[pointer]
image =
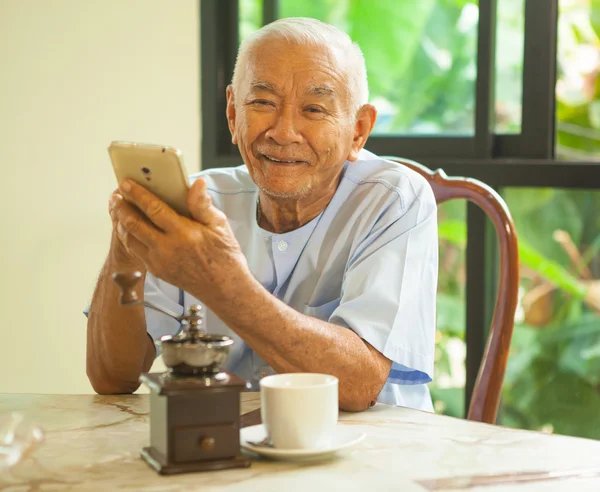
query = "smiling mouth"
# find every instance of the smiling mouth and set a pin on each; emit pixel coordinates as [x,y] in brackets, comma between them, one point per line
[282,161]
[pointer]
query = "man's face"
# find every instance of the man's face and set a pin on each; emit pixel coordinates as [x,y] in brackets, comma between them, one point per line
[292,120]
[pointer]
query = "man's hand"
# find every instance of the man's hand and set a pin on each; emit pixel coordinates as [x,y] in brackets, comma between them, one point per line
[200,256]
[119,253]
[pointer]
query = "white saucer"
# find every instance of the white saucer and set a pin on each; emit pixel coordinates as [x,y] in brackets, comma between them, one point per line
[343,438]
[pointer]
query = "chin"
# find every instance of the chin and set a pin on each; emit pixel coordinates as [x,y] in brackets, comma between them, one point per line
[293,193]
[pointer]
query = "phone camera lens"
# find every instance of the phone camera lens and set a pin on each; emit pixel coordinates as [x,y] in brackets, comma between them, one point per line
[145,170]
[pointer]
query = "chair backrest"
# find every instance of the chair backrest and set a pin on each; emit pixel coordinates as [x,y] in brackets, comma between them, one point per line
[488,386]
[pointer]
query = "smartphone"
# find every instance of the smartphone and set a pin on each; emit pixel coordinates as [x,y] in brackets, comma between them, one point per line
[157,168]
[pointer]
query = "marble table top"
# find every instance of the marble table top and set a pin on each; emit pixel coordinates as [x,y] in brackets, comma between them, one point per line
[93,443]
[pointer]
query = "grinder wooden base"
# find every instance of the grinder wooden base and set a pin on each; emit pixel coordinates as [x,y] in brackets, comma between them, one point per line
[194,423]
[165,468]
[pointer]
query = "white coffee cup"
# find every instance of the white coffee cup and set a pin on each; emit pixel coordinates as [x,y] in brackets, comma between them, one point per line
[299,410]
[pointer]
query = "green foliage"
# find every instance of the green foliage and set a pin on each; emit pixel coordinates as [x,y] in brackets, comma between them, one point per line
[577,104]
[553,378]
[250,17]
[455,233]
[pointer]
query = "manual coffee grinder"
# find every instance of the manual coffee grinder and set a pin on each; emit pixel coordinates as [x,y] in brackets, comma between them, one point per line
[194,405]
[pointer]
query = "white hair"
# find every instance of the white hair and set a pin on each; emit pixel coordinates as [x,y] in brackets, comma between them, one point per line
[307,31]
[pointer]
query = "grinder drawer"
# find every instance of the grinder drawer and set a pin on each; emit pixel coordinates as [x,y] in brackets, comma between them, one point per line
[206,442]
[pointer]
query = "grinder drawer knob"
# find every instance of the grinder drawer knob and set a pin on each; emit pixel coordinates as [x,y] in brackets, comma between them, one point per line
[207,443]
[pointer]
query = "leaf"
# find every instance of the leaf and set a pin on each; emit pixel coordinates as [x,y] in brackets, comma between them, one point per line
[550,270]
[584,326]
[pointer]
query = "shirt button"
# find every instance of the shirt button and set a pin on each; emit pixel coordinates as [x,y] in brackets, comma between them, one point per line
[282,246]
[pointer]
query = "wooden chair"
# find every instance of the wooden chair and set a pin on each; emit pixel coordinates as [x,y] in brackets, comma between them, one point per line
[488,386]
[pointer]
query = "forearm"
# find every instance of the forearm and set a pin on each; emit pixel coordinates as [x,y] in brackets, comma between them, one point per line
[118,347]
[292,342]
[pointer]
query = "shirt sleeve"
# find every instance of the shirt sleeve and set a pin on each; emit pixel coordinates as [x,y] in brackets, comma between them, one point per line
[389,290]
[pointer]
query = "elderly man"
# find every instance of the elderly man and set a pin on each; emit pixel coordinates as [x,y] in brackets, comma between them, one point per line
[315,256]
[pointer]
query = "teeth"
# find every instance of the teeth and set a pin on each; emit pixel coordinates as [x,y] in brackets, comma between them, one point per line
[277,160]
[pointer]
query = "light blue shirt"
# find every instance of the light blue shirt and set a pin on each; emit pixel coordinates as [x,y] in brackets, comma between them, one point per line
[368,262]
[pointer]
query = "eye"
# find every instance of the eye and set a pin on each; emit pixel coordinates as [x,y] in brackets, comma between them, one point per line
[262,102]
[314,109]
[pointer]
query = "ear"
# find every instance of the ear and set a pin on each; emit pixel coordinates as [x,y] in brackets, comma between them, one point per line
[230,113]
[365,121]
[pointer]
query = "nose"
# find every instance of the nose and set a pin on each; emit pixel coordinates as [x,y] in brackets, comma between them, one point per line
[283,130]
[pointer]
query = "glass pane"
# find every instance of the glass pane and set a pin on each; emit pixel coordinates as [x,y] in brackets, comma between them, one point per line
[553,377]
[250,17]
[420,54]
[510,42]
[448,386]
[577,87]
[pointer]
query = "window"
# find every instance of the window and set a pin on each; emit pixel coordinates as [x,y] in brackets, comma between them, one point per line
[577,91]
[480,89]
[553,372]
[510,42]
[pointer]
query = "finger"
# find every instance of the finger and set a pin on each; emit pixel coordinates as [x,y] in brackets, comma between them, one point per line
[163,216]
[118,203]
[133,245]
[200,204]
[135,224]
[113,204]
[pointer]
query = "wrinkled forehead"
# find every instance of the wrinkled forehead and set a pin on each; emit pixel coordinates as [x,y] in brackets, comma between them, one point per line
[275,64]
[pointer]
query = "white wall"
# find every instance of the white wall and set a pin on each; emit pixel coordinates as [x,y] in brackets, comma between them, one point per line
[74,75]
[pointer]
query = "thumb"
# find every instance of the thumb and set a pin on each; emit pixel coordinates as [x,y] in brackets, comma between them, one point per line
[200,204]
